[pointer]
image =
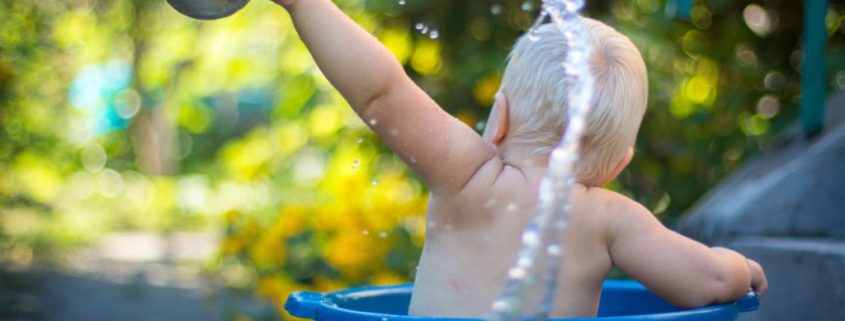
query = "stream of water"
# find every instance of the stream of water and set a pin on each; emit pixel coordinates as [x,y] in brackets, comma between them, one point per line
[543,236]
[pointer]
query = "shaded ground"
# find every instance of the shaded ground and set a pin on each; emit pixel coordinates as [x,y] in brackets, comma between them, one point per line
[18,297]
[128,277]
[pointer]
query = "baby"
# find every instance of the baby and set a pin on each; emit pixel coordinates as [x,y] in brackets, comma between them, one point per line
[484,188]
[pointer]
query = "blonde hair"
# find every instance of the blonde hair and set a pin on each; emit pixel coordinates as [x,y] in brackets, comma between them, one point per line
[536,90]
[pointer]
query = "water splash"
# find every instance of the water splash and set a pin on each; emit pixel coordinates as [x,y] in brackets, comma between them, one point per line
[543,236]
[427,30]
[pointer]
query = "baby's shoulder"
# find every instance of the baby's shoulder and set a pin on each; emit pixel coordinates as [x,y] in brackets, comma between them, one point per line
[607,199]
[605,206]
[614,212]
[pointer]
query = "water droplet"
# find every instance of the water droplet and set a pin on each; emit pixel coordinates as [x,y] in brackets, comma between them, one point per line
[360,140]
[490,202]
[517,273]
[574,5]
[424,30]
[479,126]
[383,318]
[434,34]
[373,121]
[534,34]
[355,163]
[501,306]
[382,234]
[527,6]
[496,9]
[530,238]
[524,262]
[401,2]
[553,250]
[419,26]
[365,232]
[375,181]
[413,160]
[511,207]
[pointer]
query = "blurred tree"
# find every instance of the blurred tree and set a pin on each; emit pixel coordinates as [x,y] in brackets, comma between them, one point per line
[31,153]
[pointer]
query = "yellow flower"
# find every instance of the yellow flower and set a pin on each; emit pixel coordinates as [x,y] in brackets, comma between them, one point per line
[270,250]
[249,230]
[231,216]
[386,277]
[398,41]
[291,220]
[485,89]
[273,287]
[277,289]
[231,246]
[426,58]
[351,252]
[324,284]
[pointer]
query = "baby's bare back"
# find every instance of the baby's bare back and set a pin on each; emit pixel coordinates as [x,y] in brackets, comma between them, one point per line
[473,237]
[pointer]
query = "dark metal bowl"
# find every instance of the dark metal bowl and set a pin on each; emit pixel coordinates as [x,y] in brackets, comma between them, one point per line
[207,9]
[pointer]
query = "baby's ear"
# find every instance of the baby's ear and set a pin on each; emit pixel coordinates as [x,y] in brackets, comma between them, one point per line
[623,162]
[629,155]
[501,119]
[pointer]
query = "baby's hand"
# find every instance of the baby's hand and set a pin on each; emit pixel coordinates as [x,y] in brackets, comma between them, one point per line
[758,277]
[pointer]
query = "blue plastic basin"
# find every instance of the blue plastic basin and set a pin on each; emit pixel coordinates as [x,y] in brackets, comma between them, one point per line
[620,300]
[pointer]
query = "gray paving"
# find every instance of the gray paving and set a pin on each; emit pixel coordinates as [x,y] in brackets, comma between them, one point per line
[129,277]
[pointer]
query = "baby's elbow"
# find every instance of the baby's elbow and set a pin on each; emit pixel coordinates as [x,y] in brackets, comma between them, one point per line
[378,92]
[729,281]
[727,287]
[725,290]
[713,291]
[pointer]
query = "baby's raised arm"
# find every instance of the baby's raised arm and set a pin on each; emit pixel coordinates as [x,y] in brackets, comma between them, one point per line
[684,272]
[441,149]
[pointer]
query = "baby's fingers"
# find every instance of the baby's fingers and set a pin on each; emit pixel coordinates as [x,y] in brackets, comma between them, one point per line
[758,277]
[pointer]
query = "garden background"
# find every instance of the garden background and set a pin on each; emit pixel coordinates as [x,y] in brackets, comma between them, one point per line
[127,118]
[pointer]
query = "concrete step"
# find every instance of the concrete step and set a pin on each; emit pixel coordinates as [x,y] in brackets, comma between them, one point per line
[795,187]
[806,278]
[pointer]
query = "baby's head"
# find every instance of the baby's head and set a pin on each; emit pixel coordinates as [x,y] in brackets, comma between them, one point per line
[534,87]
